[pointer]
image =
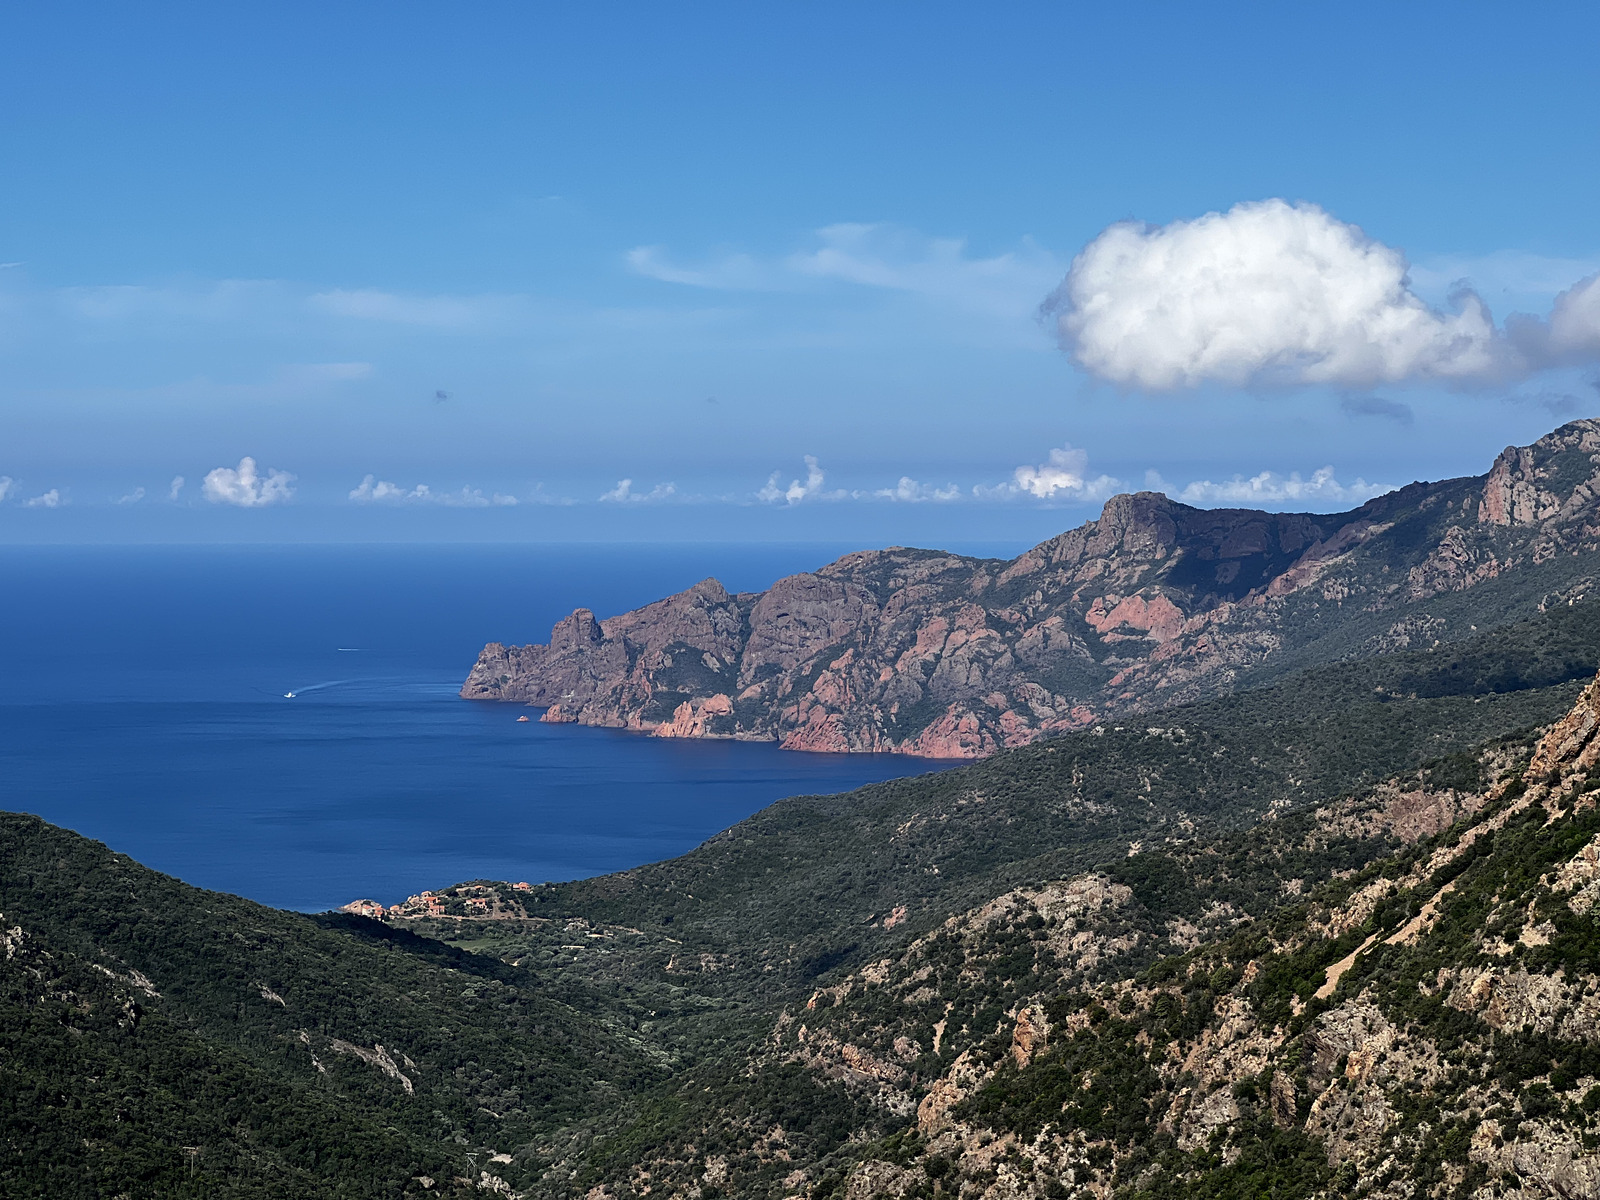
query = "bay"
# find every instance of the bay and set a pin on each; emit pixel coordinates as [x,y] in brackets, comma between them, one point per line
[144,701]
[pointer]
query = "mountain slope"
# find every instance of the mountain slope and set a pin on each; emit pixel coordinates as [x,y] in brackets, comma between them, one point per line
[640,1034]
[921,652]
[193,1043]
[1391,995]
[1429,1026]
[786,893]
[782,909]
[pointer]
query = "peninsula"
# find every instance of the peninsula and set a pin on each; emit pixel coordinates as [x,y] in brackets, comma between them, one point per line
[1154,603]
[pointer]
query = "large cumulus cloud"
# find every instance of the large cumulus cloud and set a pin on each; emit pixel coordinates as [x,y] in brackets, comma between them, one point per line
[1277,293]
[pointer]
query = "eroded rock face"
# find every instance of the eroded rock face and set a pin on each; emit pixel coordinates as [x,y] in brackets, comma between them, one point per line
[923,652]
[1571,742]
[1044,1040]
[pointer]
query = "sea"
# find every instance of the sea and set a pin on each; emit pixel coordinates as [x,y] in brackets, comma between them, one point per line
[282,722]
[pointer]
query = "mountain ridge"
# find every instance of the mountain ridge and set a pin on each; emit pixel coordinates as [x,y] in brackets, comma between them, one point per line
[1153,603]
[754,1019]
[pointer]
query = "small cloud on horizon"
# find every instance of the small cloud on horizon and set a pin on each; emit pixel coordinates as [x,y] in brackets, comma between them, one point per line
[50,499]
[623,493]
[909,491]
[471,497]
[244,487]
[797,491]
[132,497]
[372,490]
[1269,489]
[1063,476]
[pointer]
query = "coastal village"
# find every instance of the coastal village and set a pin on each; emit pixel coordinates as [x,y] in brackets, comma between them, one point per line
[477,901]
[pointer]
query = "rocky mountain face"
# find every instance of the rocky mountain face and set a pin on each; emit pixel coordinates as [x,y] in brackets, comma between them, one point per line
[1155,603]
[1333,936]
[1392,995]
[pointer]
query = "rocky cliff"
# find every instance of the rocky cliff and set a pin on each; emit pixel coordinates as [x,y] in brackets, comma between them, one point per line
[1329,938]
[928,653]
[1392,996]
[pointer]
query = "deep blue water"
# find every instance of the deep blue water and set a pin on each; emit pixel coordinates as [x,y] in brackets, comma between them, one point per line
[142,703]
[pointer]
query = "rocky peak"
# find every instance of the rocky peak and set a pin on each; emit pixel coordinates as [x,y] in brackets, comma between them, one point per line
[575,632]
[709,591]
[1143,524]
[1154,602]
[1200,557]
[703,616]
[1530,484]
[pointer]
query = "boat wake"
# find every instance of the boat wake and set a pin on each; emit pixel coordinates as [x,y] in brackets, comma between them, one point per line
[318,687]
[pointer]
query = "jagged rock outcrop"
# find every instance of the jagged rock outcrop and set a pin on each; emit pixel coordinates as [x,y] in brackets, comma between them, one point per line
[1571,743]
[1155,602]
[1454,1053]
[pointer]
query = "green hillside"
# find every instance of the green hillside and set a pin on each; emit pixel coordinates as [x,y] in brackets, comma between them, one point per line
[164,1040]
[640,1030]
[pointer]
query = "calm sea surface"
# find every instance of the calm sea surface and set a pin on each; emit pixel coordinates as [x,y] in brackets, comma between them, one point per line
[142,703]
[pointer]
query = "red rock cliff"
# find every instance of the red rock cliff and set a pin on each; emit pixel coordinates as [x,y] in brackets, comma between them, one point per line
[923,652]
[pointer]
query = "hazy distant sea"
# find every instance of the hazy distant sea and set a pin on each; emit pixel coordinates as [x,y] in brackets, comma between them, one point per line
[142,703]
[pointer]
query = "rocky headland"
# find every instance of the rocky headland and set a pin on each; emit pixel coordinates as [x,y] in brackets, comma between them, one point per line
[1154,603]
[1329,938]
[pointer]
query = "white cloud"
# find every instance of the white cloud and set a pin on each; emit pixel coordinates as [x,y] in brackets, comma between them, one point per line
[1266,293]
[471,497]
[623,493]
[223,300]
[884,256]
[132,497]
[373,490]
[436,312]
[912,492]
[797,491]
[1271,489]
[51,499]
[6,485]
[244,487]
[876,256]
[177,486]
[305,316]
[1064,475]
[1574,328]
[732,272]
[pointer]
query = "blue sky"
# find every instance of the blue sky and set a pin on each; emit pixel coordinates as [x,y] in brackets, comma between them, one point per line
[502,257]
